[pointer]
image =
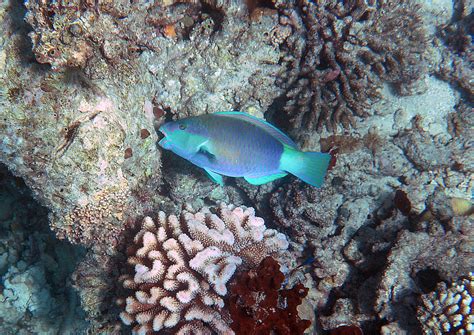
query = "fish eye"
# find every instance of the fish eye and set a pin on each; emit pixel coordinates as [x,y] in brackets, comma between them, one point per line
[182,126]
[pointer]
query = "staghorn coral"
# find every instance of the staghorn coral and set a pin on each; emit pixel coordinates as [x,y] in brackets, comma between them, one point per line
[182,265]
[258,305]
[448,310]
[351,48]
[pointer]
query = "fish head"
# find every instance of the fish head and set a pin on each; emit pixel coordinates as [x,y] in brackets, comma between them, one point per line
[182,137]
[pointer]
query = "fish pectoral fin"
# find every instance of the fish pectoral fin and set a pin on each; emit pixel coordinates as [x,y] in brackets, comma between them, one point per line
[264,179]
[203,150]
[215,177]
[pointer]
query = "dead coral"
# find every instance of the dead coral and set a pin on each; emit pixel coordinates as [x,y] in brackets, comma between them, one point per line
[258,305]
[411,263]
[351,48]
[305,209]
[94,281]
[458,57]
[68,34]
[182,265]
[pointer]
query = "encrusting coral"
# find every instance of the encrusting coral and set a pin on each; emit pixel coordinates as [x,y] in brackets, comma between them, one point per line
[449,310]
[348,49]
[85,224]
[258,305]
[182,265]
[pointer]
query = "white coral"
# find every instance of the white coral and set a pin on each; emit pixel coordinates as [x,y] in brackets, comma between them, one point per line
[449,310]
[182,267]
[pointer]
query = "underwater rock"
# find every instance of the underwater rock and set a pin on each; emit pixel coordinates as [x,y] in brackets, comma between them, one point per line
[228,63]
[201,251]
[440,255]
[66,134]
[349,50]
[35,295]
[458,54]
[95,282]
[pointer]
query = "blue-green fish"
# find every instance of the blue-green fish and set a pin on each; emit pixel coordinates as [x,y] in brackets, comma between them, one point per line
[237,144]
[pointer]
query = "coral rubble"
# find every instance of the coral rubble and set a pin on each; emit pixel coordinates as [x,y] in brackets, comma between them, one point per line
[448,310]
[348,49]
[182,265]
[258,305]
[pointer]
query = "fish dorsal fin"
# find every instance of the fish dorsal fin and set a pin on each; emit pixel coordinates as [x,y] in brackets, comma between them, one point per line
[272,130]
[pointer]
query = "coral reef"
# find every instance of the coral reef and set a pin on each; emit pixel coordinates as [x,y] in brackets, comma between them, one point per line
[411,264]
[66,135]
[99,221]
[82,91]
[448,309]
[35,294]
[258,305]
[84,132]
[233,49]
[182,265]
[458,56]
[348,49]
[96,281]
[385,227]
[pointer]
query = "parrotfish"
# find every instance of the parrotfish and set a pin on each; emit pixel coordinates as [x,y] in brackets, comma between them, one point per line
[237,144]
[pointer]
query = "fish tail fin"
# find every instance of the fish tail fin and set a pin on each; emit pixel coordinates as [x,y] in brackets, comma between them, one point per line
[311,167]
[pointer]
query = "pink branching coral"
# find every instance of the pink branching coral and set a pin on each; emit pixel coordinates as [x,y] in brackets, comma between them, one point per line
[182,265]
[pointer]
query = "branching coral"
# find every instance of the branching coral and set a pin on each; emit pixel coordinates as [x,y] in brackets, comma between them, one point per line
[448,310]
[182,265]
[258,306]
[351,48]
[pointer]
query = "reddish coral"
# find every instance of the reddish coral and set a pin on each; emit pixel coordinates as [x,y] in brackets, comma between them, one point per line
[346,330]
[258,306]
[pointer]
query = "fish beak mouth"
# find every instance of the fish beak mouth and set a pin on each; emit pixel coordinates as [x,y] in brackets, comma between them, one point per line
[162,130]
[164,142]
